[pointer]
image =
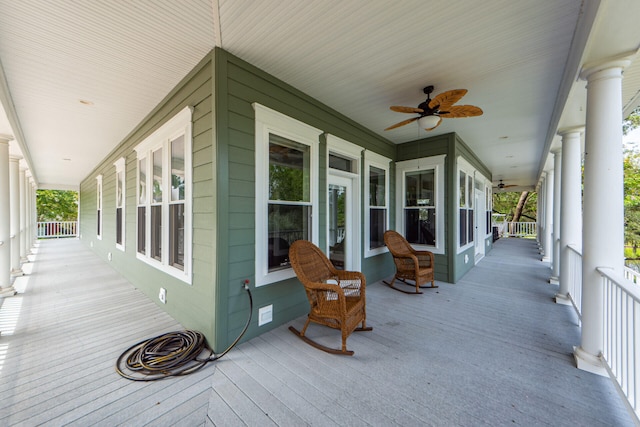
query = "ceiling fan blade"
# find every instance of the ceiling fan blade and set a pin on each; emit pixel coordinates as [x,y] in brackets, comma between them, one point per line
[438,124]
[400,109]
[446,99]
[458,111]
[402,123]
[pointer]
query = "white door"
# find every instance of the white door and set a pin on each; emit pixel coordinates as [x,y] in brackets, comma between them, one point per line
[480,222]
[342,233]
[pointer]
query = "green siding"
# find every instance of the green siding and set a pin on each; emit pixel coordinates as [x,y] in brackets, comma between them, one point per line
[238,86]
[222,89]
[192,305]
[450,266]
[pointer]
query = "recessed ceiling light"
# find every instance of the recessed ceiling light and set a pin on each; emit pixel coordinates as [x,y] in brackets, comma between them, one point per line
[504,137]
[510,156]
[67,159]
[85,102]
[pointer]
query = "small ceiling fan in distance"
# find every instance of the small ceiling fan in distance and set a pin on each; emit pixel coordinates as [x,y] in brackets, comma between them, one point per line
[501,185]
[432,111]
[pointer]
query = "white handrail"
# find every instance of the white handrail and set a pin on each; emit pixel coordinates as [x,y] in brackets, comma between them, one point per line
[621,337]
[57,229]
[575,279]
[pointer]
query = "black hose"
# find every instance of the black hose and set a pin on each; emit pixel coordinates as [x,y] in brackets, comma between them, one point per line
[172,354]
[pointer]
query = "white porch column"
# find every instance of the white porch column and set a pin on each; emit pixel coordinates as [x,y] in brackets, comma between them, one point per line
[23,214]
[5,223]
[548,217]
[603,231]
[14,207]
[32,213]
[557,201]
[571,206]
[541,216]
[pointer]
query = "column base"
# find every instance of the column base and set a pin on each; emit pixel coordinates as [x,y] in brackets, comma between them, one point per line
[7,292]
[17,272]
[553,280]
[588,362]
[563,299]
[546,258]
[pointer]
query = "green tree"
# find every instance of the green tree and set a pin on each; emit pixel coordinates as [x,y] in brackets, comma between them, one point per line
[57,205]
[631,122]
[631,167]
[507,203]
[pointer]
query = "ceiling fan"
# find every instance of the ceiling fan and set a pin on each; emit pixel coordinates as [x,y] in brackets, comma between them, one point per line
[432,111]
[502,185]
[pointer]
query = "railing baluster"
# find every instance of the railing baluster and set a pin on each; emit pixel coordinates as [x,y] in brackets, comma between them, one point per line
[57,229]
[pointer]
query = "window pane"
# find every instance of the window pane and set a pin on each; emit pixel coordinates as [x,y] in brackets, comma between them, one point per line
[156,232]
[419,188]
[119,226]
[177,169]
[340,163]
[142,234]
[157,176]
[377,227]
[287,223]
[142,181]
[176,237]
[99,215]
[463,189]
[463,227]
[289,170]
[420,226]
[470,191]
[488,222]
[470,224]
[119,179]
[377,188]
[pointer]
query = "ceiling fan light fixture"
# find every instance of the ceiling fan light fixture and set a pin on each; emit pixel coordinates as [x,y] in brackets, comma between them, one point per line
[428,122]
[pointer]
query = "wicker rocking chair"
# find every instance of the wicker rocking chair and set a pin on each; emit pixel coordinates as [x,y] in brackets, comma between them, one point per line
[410,264]
[336,297]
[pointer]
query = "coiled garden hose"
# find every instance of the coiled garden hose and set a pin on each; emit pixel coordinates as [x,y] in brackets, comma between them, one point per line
[172,354]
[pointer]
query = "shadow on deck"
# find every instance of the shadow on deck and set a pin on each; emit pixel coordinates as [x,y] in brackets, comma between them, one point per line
[492,349]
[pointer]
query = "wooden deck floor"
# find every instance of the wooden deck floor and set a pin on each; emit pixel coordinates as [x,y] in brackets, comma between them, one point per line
[492,349]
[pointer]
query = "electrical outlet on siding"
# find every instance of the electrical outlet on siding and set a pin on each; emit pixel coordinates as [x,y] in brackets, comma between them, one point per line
[265,315]
[163,295]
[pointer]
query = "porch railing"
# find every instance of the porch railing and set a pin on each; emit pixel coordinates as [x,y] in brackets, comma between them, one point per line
[575,279]
[632,275]
[621,326]
[620,323]
[517,229]
[57,229]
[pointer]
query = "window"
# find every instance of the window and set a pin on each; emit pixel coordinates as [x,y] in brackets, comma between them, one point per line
[377,196]
[466,195]
[120,203]
[286,191]
[489,206]
[164,197]
[142,206]
[99,206]
[420,202]
[344,204]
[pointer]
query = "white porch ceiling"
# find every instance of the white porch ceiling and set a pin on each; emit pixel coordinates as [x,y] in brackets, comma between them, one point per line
[519,59]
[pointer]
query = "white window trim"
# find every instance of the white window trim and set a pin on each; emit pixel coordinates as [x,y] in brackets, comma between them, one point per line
[120,167]
[353,152]
[180,124]
[99,206]
[380,162]
[270,121]
[437,164]
[466,167]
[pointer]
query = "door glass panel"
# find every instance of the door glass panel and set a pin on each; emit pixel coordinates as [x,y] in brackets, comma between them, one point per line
[337,225]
